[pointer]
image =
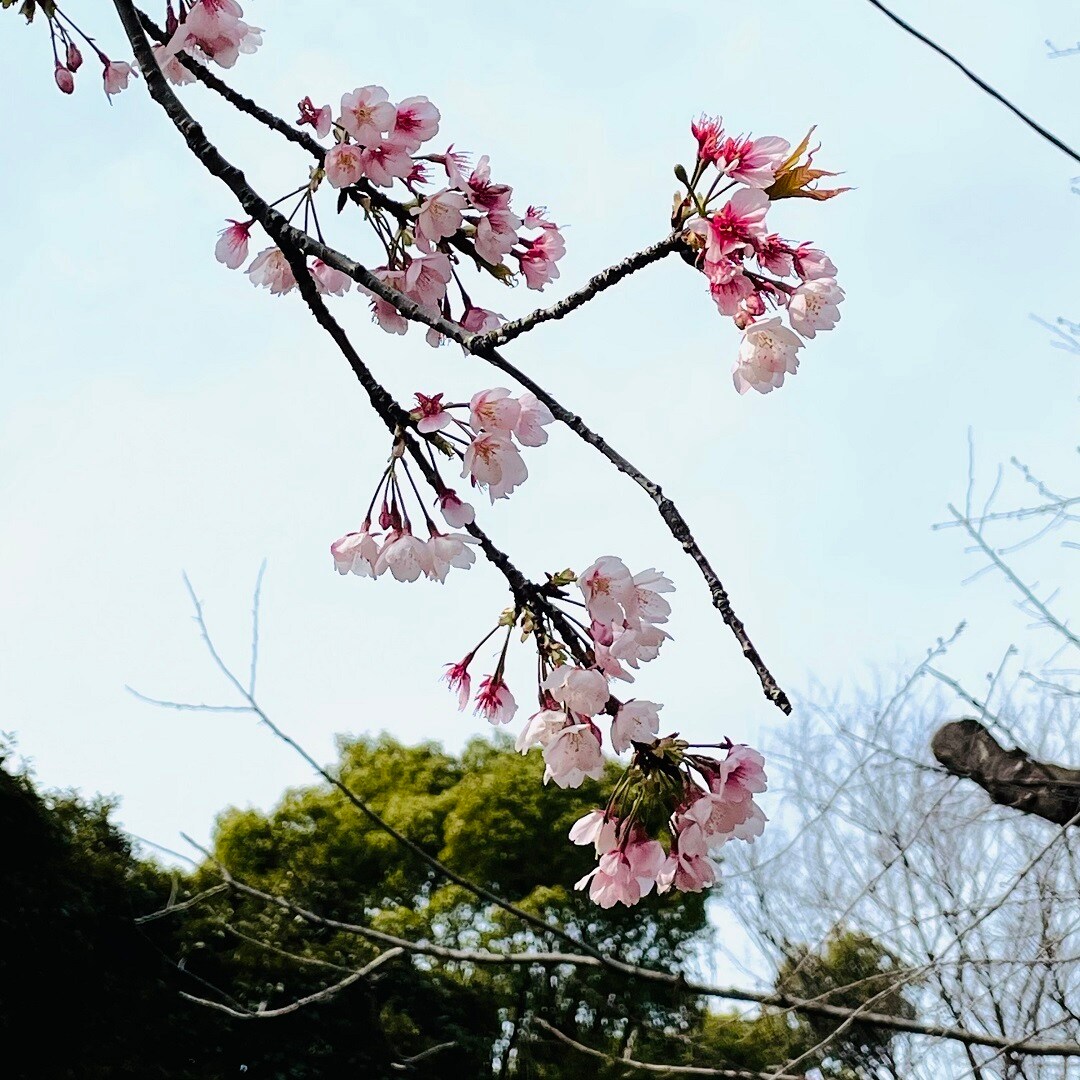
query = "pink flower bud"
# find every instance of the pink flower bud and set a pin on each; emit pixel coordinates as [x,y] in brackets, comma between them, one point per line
[64,79]
[171,22]
[74,57]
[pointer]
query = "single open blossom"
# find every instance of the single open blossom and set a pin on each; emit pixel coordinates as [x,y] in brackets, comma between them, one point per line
[459,680]
[415,121]
[768,352]
[171,67]
[494,410]
[752,161]
[343,164]
[742,771]
[540,729]
[636,721]
[328,280]
[430,415]
[384,162]
[440,215]
[426,279]
[478,320]
[496,234]
[494,461]
[686,872]
[271,269]
[356,553]
[774,255]
[573,754]
[636,645]
[64,79]
[737,225]
[598,828]
[405,556]
[625,876]
[319,119]
[647,602]
[366,114]
[582,691]
[232,245]
[455,511]
[494,702]
[538,261]
[449,549]
[533,417]
[482,193]
[811,263]
[814,306]
[607,587]
[384,313]
[116,76]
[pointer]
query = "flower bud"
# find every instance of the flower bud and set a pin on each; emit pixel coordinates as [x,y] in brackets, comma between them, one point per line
[74,57]
[64,79]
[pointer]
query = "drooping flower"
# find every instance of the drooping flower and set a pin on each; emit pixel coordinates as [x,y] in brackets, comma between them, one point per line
[625,876]
[496,234]
[814,306]
[540,729]
[494,461]
[494,702]
[538,261]
[449,549]
[573,754]
[356,553]
[607,586]
[405,556]
[116,76]
[533,417]
[319,119]
[384,313]
[171,67]
[232,245]
[328,280]
[812,263]
[455,511]
[582,691]
[271,269]
[458,678]
[636,721]
[768,352]
[215,28]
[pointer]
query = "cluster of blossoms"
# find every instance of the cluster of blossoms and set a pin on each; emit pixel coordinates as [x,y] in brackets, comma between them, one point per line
[696,819]
[427,234]
[751,270]
[204,31]
[484,443]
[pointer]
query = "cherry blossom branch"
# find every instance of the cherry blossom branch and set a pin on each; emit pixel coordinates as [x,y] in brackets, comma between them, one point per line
[483,345]
[666,1070]
[808,1006]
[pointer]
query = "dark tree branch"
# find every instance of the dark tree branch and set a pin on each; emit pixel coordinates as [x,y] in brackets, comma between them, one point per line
[1010,777]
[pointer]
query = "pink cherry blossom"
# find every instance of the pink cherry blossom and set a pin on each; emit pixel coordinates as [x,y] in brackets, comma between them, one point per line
[648,603]
[636,721]
[494,702]
[775,256]
[738,224]
[355,553]
[598,828]
[533,417]
[728,295]
[366,114]
[708,131]
[116,76]
[343,164]
[496,234]
[440,215]
[540,729]
[538,261]
[328,280]
[573,754]
[215,28]
[455,512]
[743,769]
[455,163]
[482,193]
[712,819]
[814,306]
[535,218]
[494,410]
[478,320]
[687,873]
[64,79]
[405,556]
[383,312]
[232,245]
[384,162]
[768,352]
[637,645]
[430,414]
[812,263]
[416,120]
[271,269]
[446,550]
[171,67]
[607,586]
[319,119]
[493,460]
[752,161]
[426,279]
[458,678]
[625,876]
[582,691]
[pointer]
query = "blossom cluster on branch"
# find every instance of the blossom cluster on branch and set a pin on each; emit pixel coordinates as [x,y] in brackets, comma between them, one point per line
[435,215]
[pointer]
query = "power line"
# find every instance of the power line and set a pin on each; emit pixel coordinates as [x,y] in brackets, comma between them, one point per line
[1049,136]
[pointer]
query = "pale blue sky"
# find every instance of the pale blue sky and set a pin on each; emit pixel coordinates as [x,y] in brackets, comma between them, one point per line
[160,414]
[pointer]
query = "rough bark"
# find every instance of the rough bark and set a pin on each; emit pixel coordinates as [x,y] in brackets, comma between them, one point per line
[1010,777]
